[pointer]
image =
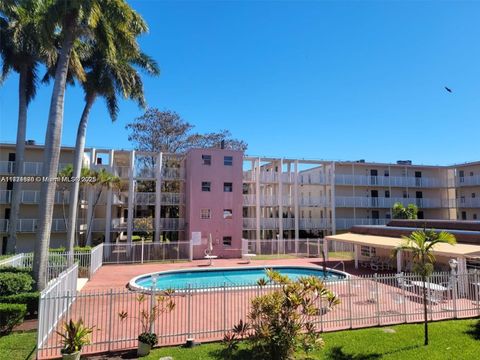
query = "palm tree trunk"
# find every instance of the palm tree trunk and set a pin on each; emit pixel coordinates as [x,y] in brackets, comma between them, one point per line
[425,310]
[19,160]
[90,221]
[51,154]
[76,173]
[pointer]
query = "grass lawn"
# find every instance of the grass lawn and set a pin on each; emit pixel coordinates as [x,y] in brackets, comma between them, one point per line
[18,345]
[344,255]
[454,339]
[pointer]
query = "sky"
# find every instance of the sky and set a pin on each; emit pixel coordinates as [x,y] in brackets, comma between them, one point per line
[330,80]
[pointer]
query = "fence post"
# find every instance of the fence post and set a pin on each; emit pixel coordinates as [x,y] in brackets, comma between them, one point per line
[110,317]
[454,289]
[224,307]
[141,261]
[404,297]
[152,303]
[477,290]
[377,300]
[350,301]
[189,313]
[308,248]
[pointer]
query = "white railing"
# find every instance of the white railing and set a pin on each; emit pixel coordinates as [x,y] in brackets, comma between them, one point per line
[145,198]
[96,259]
[468,202]
[207,313]
[249,223]
[172,198]
[468,180]
[310,224]
[313,201]
[7,167]
[19,260]
[172,223]
[55,301]
[249,200]
[344,223]
[394,181]
[312,179]
[282,247]
[383,202]
[141,252]
[169,173]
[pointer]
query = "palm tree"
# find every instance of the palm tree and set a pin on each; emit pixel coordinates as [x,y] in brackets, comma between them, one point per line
[104,181]
[20,52]
[109,23]
[402,212]
[105,77]
[421,244]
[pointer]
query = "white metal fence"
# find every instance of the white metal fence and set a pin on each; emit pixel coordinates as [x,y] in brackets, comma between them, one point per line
[55,301]
[88,262]
[141,252]
[205,314]
[293,247]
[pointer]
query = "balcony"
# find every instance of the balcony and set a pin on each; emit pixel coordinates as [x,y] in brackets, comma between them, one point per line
[313,201]
[312,179]
[382,202]
[394,181]
[249,223]
[5,196]
[122,171]
[145,198]
[468,203]
[172,198]
[29,168]
[32,197]
[169,173]
[172,224]
[344,223]
[468,180]
[311,224]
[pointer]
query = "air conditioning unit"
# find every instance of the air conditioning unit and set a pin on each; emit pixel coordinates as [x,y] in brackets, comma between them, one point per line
[404,162]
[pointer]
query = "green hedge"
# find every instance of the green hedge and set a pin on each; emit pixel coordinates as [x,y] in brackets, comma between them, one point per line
[15,283]
[10,316]
[76,248]
[29,299]
[12,269]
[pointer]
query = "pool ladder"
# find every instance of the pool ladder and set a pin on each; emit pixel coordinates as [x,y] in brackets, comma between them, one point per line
[337,264]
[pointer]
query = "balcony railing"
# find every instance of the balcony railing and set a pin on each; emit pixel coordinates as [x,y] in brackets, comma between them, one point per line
[5,196]
[382,202]
[347,223]
[172,198]
[468,202]
[145,198]
[312,179]
[468,180]
[32,197]
[29,167]
[172,223]
[309,224]
[313,201]
[395,181]
[169,173]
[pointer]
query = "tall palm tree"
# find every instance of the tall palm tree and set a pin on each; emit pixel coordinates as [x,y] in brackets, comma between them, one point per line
[109,22]
[421,244]
[104,181]
[20,52]
[106,77]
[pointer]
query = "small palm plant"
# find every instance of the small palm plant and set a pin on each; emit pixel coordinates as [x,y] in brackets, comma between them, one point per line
[421,245]
[75,336]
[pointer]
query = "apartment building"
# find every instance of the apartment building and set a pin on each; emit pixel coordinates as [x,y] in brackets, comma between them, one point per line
[224,195]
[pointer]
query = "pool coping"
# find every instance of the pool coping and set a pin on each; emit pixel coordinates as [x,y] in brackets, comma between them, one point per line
[135,287]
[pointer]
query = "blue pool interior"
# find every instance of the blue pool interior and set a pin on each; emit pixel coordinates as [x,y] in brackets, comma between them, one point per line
[228,277]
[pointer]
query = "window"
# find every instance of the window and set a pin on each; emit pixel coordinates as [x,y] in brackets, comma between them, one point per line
[471,173]
[405,195]
[206,185]
[227,187]
[227,213]
[473,195]
[205,214]
[367,251]
[386,173]
[474,216]
[228,160]
[387,193]
[227,241]
[207,159]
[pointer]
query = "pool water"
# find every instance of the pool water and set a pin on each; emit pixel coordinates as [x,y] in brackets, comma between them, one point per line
[183,279]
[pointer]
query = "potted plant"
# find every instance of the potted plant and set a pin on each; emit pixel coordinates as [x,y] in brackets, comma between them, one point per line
[149,311]
[146,341]
[75,335]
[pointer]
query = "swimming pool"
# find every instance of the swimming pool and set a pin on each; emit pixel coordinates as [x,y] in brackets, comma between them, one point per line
[231,277]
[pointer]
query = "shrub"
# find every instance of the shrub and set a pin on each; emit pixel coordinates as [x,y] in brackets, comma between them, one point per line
[10,316]
[283,321]
[29,299]
[14,283]
[12,269]
[75,335]
[148,338]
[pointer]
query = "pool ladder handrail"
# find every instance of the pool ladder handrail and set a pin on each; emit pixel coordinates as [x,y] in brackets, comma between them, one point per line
[339,263]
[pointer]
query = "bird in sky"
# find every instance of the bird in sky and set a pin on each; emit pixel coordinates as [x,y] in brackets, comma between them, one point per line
[448,89]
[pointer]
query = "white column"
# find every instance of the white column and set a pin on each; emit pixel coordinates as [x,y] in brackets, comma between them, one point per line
[108,210]
[158,196]
[280,201]
[356,251]
[131,196]
[257,201]
[334,217]
[462,279]
[399,261]
[93,162]
[325,249]
[295,205]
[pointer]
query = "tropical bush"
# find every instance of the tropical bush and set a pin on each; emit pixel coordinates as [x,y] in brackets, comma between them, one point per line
[10,316]
[282,322]
[30,299]
[14,283]
[75,336]
[148,338]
